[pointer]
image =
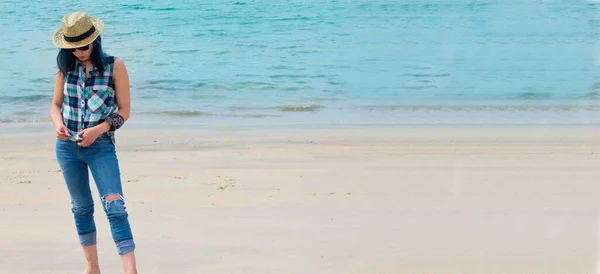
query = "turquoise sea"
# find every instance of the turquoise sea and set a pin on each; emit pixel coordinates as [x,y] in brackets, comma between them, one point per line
[301,63]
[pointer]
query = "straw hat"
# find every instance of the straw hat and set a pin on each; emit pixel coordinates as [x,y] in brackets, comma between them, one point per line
[77,30]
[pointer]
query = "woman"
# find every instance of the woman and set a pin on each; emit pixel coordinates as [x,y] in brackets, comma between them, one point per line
[91,101]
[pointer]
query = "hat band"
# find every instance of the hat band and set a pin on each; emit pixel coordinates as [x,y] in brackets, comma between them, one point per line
[80,37]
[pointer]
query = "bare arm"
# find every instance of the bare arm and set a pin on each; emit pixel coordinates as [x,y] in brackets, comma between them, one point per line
[121,78]
[57,100]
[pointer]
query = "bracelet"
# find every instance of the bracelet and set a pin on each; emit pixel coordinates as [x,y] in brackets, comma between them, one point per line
[115,121]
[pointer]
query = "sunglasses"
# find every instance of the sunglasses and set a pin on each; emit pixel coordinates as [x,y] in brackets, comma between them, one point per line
[84,48]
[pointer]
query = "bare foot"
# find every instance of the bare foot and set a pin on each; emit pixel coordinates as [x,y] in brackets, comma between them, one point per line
[92,270]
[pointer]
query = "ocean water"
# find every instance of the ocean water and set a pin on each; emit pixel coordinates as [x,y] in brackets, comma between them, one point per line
[323,63]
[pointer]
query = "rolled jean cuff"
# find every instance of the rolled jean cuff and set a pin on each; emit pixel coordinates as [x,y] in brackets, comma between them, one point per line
[88,239]
[125,246]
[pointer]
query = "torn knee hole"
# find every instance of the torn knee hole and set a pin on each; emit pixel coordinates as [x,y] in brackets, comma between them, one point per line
[112,197]
[114,203]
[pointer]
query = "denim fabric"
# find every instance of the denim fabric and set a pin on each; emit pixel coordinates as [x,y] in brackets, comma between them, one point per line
[100,158]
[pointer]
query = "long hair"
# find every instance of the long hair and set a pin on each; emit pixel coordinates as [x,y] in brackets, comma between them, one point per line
[65,60]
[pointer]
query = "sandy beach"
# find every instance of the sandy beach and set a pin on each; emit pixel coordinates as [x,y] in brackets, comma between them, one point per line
[420,200]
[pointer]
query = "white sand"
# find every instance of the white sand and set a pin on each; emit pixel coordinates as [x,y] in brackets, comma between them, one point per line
[405,201]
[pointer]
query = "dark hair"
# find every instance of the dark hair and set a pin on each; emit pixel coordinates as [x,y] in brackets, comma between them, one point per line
[65,60]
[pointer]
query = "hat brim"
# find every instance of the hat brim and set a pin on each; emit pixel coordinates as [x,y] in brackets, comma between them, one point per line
[59,38]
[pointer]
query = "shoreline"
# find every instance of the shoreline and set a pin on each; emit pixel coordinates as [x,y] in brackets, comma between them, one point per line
[350,116]
[45,126]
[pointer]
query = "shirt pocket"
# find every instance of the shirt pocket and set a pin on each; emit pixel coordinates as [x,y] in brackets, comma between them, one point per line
[98,99]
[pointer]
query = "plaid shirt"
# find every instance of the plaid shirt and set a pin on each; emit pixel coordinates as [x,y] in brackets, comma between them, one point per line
[87,102]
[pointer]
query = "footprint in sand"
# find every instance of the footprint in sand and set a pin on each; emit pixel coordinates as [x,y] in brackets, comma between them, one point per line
[225,182]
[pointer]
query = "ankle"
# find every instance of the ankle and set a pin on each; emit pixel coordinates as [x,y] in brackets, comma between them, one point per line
[92,269]
[129,265]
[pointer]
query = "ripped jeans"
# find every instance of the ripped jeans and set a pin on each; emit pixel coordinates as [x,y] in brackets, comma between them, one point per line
[100,157]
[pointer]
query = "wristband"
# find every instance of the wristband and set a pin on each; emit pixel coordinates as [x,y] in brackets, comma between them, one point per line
[115,121]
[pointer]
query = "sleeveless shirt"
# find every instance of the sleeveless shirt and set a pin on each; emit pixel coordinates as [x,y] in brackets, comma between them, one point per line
[88,102]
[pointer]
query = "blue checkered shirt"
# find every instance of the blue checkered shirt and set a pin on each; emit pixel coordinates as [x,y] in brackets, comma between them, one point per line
[88,102]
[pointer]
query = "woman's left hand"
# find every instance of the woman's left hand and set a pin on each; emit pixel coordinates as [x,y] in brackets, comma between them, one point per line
[88,136]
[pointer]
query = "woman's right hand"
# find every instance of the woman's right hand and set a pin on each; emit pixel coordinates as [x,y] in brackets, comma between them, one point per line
[62,132]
